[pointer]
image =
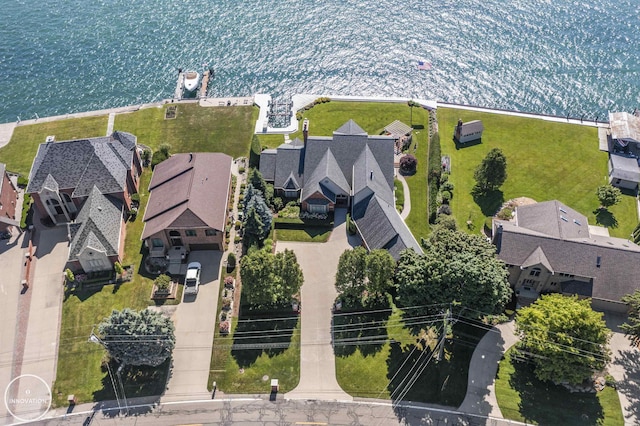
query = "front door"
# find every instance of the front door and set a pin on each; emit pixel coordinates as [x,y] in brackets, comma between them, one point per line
[174,236]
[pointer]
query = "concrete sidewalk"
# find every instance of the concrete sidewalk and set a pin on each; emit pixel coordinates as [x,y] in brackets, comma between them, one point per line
[317,359]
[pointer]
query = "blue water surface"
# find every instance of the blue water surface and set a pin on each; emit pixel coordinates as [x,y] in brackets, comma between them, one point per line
[556,57]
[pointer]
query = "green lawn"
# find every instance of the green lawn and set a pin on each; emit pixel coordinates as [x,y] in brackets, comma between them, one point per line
[196,129]
[545,161]
[524,398]
[399,192]
[308,235]
[19,153]
[376,370]
[418,219]
[248,370]
[83,309]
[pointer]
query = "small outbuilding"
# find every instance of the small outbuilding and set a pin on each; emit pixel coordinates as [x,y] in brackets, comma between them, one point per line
[468,132]
[401,133]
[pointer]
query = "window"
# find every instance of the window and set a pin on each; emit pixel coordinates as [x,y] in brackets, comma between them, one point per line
[157,243]
[190,233]
[210,232]
[290,194]
[535,272]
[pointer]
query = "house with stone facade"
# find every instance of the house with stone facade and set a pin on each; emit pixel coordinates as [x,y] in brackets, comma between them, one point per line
[86,185]
[188,204]
[549,247]
[8,199]
[350,169]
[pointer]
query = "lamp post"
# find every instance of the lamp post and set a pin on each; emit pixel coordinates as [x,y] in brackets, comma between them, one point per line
[95,339]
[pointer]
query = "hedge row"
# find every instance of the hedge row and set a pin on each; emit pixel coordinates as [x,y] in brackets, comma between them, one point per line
[433,177]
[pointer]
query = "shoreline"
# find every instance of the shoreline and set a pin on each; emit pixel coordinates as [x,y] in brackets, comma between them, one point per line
[299,101]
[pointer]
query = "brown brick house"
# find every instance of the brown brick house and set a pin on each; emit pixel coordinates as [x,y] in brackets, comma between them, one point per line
[188,203]
[8,198]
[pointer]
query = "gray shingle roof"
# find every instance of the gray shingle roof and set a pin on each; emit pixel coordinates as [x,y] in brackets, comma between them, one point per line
[625,168]
[82,164]
[97,225]
[350,128]
[552,218]
[268,164]
[616,275]
[471,127]
[326,173]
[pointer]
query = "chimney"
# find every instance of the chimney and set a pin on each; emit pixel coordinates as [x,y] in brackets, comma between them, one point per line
[497,239]
[305,130]
[371,175]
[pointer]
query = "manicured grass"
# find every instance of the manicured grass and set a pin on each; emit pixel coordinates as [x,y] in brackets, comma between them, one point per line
[545,161]
[418,219]
[195,129]
[271,141]
[399,193]
[19,153]
[522,397]
[377,370]
[248,370]
[309,235]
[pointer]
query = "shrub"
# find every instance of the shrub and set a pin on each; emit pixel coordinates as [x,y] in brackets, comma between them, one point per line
[434,175]
[228,282]
[162,282]
[160,155]
[26,206]
[446,197]
[277,203]
[135,197]
[443,209]
[446,185]
[226,303]
[505,214]
[118,268]
[224,327]
[69,274]
[22,181]
[231,261]
[351,226]
[241,170]
[408,164]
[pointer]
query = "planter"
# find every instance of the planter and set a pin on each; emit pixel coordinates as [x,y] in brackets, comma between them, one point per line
[163,294]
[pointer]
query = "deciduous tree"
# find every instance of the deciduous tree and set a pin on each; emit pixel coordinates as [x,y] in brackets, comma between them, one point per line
[608,195]
[352,273]
[455,267]
[565,339]
[138,337]
[269,279]
[491,172]
[364,278]
[632,326]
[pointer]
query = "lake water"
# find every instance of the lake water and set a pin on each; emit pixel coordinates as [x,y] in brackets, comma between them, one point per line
[557,57]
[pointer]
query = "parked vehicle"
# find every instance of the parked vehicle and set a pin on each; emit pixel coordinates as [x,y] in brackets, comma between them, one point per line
[192,279]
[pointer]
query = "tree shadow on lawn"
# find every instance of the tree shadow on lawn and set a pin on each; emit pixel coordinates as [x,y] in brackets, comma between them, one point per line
[137,381]
[630,386]
[547,403]
[489,202]
[358,329]
[605,218]
[441,382]
[262,331]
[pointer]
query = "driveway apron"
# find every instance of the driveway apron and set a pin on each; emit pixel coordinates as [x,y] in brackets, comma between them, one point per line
[317,360]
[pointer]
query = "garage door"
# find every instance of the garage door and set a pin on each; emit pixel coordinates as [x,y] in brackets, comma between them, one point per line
[211,246]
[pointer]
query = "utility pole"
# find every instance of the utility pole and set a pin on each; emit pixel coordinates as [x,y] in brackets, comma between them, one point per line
[446,320]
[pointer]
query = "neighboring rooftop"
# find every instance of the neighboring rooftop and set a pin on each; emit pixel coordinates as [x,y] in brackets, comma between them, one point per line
[81,164]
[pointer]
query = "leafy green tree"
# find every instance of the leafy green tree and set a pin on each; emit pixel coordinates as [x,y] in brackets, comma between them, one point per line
[254,153]
[632,326]
[491,172]
[352,273]
[456,267]
[565,339]
[608,195]
[270,279]
[380,270]
[138,337]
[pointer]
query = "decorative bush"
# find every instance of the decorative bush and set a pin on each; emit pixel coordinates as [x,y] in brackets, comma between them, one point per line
[351,226]
[118,268]
[446,185]
[225,327]
[505,214]
[163,282]
[231,260]
[446,197]
[69,274]
[228,283]
[135,197]
[444,209]
[22,181]
[241,170]
[226,303]
[408,164]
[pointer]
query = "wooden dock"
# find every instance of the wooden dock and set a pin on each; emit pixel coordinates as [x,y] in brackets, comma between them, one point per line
[179,87]
[204,84]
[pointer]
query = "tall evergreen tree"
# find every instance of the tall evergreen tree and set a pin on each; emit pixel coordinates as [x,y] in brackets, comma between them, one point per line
[138,337]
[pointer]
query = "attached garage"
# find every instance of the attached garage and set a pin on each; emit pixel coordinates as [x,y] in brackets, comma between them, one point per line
[210,246]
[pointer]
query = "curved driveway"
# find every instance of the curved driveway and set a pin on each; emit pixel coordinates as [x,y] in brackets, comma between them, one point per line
[319,262]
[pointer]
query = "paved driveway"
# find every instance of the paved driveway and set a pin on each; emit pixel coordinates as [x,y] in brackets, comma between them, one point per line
[317,360]
[194,320]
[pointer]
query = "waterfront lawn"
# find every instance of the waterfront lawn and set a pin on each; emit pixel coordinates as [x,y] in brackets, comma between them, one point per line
[545,161]
[522,397]
[377,370]
[249,369]
[195,128]
[418,219]
[19,153]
